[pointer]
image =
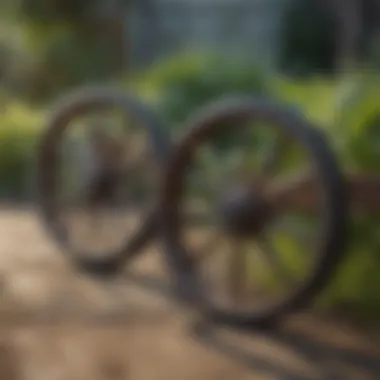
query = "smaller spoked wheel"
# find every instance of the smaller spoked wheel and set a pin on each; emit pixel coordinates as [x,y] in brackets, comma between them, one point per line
[97,171]
[253,211]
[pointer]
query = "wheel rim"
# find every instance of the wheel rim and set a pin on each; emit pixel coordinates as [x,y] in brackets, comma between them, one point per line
[186,259]
[142,153]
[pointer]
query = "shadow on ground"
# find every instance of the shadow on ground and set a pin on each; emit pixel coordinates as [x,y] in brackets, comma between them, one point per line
[134,331]
[325,350]
[303,349]
[327,361]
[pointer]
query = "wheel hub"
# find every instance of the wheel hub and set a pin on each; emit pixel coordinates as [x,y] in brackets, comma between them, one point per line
[102,187]
[244,210]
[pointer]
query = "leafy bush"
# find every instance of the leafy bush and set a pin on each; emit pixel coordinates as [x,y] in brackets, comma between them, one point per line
[349,111]
[360,125]
[315,97]
[18,133]
[185,82]
[67,60]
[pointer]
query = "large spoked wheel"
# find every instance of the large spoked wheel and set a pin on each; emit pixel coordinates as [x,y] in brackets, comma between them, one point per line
[97,170]
[253,211]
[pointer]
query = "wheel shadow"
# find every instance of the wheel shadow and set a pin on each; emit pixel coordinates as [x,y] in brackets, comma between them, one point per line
[285,352]
[325,361]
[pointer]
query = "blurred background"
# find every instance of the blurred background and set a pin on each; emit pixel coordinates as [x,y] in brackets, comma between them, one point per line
[321,57]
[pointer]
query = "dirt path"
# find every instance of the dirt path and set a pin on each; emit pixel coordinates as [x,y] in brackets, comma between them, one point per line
[58,325]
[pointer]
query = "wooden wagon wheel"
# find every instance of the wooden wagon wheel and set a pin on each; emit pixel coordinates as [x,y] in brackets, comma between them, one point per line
[249,217]
[97,168]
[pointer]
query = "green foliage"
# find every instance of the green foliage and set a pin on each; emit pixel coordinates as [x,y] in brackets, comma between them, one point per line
[15,58]
[69,60]
[184,83]
[348,110]
[315,97]
[18,134]
[355,289]
[49,46]
[49,12]
[361,126]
